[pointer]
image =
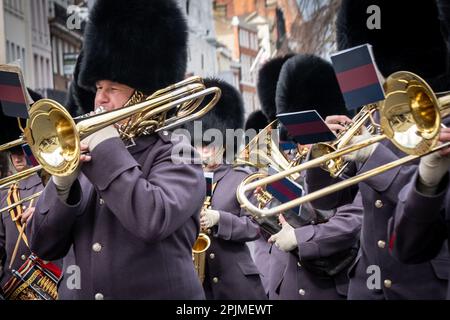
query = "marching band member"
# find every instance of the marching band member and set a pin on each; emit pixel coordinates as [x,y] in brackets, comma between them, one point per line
[12,222]
[380,193]
[131,209]
[230,270]
[266,88]
[422,215]
[326,237]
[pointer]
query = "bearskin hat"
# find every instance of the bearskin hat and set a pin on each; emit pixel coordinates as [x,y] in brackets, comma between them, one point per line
[256,120]
[308,82]
[139,43]
[267,84]
[228,113]
[34,95]
[79,101]
[409,37]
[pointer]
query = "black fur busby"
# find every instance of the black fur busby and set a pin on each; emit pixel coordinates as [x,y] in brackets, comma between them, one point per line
[256,120]
[139,43]
[409,37]
[79,100]
[228,113]
[267,85]
[308,82]
[10,128]
[34,95]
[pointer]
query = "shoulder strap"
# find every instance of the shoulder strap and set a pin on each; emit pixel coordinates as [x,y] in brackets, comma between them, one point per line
[16,212]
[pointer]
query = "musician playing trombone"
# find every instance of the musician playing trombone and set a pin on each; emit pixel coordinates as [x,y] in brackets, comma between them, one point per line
[14,246]
[309,261]
[230,272]
[422,216]
[131,213]
[376,275]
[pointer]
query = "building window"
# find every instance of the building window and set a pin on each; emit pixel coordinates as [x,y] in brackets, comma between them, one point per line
[13,52]
[7,51]
[36,71]
[187,7]
[24,61]
[203,62]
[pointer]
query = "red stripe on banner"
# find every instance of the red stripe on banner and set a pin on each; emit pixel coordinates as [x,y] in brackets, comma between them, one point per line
[307,128]
[357,78]
[11,94]
[278,185]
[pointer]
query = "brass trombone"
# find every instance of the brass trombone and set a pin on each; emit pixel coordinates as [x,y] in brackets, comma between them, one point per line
[54,137]
[263,151]
[410,117]
[336,166]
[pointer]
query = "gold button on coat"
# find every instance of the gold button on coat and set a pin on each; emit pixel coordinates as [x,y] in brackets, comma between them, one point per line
[215,279]
[97,247]
[98,296]
[379,204]
[301,292]
[387,283]
[381,244]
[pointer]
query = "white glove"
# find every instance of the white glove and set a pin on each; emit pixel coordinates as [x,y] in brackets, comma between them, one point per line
[285,239]
[209,218]
[363,154]
[432,169]
[63,184]
[98,137]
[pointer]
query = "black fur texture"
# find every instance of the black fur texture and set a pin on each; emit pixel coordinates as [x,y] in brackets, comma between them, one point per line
[267,84]
[139,43]
[79,101]
[308,82]
[410,38]
[256,120]
[228,113]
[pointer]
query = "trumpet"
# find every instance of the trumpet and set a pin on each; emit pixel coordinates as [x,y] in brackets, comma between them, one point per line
[410,117]
[54,136]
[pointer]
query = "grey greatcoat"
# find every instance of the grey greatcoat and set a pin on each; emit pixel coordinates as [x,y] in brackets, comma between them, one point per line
[379,196]
[9,232]
[230,270]
[422,225]
[289,279]
[132,218]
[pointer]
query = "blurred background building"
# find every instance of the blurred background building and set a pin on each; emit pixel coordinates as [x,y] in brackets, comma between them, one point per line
[229,39]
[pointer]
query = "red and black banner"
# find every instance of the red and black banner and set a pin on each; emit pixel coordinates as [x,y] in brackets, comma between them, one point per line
[12,98]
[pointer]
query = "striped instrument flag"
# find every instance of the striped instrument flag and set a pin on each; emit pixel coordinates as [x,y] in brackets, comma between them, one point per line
[358,76]
[12,94]
[306,127]
[285,190]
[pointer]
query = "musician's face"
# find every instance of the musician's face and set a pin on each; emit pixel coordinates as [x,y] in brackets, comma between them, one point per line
[211,156]
[19,161]
[112,95]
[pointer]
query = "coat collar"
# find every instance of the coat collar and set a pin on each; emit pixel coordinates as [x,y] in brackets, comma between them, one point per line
[220,172]
[142,143]
[30,182]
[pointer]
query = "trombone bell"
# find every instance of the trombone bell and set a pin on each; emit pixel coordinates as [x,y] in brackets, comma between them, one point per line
[410,117]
